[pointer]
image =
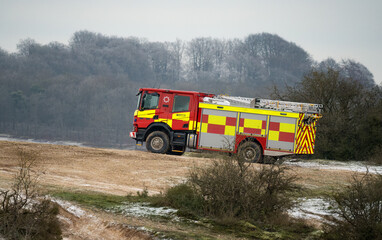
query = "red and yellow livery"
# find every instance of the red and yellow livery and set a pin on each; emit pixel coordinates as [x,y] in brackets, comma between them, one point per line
[169,121]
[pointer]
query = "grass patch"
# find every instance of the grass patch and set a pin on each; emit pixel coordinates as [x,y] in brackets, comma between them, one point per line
[203,228]
[185,235]
[243,229]
[91,199]
[102,200]
[320,192]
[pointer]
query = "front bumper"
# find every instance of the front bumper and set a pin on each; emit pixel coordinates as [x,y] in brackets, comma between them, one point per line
[133,135]
[139,135]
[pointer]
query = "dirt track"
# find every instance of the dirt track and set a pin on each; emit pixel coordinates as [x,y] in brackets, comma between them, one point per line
[127,171]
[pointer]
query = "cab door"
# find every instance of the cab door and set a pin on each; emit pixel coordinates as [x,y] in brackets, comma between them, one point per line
[181,108]
[147,109]
[164,109]
[155,107]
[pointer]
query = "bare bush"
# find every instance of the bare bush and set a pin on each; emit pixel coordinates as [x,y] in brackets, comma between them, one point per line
[233,189]
[360,209]
[23,214]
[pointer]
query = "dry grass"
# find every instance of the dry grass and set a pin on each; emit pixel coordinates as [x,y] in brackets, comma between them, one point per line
[122,171]
[105,170]
[125,171]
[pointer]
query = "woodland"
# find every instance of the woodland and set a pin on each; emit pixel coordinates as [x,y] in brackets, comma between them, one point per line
[85,91]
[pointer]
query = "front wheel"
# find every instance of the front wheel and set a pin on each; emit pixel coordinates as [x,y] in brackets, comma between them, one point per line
[157,142]
[250,152]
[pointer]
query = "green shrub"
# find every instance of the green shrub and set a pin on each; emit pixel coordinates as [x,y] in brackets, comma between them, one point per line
[360,209]
[232,190]
[185,198]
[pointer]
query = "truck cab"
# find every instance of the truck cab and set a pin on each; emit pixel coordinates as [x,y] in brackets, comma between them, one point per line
[164,118]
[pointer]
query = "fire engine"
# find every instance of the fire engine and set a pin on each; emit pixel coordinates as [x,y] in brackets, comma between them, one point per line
[169,121]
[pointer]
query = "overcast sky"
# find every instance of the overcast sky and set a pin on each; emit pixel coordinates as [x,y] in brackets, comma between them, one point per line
[340,29]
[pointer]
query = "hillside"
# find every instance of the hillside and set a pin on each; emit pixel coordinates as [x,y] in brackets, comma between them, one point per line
[126,171]
[82,170]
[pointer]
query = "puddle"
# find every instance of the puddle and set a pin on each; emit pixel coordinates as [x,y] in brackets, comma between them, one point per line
[73,209]
[355,166]
[316,208]
[144,210]
[4,137]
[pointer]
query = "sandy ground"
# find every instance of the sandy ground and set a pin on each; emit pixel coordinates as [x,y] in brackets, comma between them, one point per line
[104,170]
[124,172]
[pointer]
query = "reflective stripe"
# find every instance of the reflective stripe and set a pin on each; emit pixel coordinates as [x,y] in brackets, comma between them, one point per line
[220,120]
[252,123]
[287,127]
[146,113]
[273,135]
[249,110]
[230,130]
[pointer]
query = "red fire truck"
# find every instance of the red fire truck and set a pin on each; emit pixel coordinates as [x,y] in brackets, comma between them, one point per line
[169,121]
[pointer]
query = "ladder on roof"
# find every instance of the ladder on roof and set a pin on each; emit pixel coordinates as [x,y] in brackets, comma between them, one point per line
[269,104]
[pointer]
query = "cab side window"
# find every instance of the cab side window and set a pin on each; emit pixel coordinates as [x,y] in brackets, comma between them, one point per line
[150,101]
[181,103]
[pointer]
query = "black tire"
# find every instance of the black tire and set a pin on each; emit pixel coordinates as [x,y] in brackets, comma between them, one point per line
[157,142]
[250,152]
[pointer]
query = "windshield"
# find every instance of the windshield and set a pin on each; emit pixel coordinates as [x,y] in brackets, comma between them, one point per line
[150,101]
[139,99]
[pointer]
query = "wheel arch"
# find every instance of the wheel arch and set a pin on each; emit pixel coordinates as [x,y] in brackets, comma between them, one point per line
[158,127]
[245,139]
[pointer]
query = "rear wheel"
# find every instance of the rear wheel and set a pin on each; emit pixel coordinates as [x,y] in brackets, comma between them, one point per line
[250,152]
[157,142]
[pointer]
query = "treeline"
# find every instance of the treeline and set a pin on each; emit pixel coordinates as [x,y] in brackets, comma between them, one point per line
[351,127]
[85,91]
